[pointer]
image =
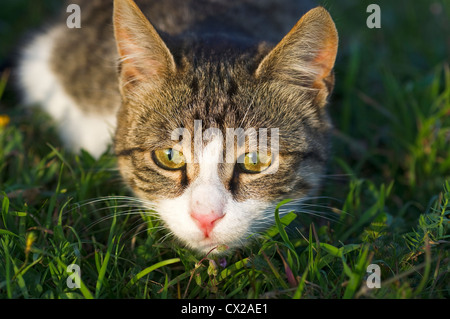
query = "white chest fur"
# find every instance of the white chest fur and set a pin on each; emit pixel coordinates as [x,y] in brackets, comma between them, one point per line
[42,88]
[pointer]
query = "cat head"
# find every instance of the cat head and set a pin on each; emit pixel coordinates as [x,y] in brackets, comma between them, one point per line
[214,131]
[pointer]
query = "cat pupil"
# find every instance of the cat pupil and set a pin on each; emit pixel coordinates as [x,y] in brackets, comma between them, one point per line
[169,154]
[253,158]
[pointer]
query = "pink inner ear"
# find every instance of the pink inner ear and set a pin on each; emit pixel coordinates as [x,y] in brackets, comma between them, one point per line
[145,57]
[140,69]
[325,61]
[136,64]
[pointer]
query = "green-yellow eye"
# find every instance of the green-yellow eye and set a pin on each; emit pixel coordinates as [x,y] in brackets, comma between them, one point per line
[255,162]
[169,159]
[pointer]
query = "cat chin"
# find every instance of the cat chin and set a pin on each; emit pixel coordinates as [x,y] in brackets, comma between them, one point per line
[213,247]
[210,247]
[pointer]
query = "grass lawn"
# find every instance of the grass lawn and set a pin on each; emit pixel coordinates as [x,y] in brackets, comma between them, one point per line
[385,199]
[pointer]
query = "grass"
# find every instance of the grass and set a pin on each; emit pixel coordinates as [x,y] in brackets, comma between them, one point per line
[385,201]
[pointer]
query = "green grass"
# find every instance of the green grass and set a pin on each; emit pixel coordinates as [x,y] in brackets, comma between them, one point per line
[385,200]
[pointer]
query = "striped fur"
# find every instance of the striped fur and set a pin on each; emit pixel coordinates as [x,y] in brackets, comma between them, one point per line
[220,71]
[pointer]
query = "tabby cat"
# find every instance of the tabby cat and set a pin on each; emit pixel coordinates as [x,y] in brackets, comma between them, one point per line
[175,94]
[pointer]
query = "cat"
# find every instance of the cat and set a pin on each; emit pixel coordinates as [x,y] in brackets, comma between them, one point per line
[202,67]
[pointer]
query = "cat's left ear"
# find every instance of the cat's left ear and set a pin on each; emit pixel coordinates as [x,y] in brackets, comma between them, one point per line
[144,57]
[306,55]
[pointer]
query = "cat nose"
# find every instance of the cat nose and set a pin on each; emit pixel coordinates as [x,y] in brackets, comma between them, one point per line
[206,222]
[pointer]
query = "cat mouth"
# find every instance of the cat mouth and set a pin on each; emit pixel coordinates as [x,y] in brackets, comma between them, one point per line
[210,245]
[212,248]
[208,242]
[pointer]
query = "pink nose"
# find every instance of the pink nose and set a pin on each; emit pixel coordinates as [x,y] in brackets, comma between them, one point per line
[206,222]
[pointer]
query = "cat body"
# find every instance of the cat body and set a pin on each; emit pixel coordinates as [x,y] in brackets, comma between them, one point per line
[173,90]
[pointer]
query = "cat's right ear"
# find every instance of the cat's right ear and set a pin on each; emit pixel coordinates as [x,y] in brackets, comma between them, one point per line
[144,57]
[306,55]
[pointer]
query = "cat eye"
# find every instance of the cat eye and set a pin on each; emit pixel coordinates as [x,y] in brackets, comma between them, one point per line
[169,159]
[255,162]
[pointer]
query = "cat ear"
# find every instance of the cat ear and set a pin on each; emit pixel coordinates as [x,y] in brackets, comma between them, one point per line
[306,55]
[144,57]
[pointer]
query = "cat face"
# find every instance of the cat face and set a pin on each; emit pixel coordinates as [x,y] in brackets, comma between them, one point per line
[213,139]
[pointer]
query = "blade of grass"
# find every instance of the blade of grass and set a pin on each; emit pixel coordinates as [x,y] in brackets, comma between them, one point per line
[275,271]
[5,243]
[284,235]
[5,209]
[285,220]
[148,270]
[427,270]
[355,277]
[301,286]
[104,266]
[19,278]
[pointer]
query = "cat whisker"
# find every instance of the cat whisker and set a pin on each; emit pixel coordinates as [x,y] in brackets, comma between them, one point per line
[108,217]
[304,203]
[322,199]
[136,229]
[309,198]
[121,206]
[310,210]
[301,206]
[120,202]
[100,200]
[336,176]
[322,215]
[248,108]
[297,208]
[169,234]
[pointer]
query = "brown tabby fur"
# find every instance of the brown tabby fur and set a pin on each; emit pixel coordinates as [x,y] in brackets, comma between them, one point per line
[217,61]
[227,84]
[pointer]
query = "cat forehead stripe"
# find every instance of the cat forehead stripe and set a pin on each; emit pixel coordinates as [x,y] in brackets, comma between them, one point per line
[210,158]
[234,142]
